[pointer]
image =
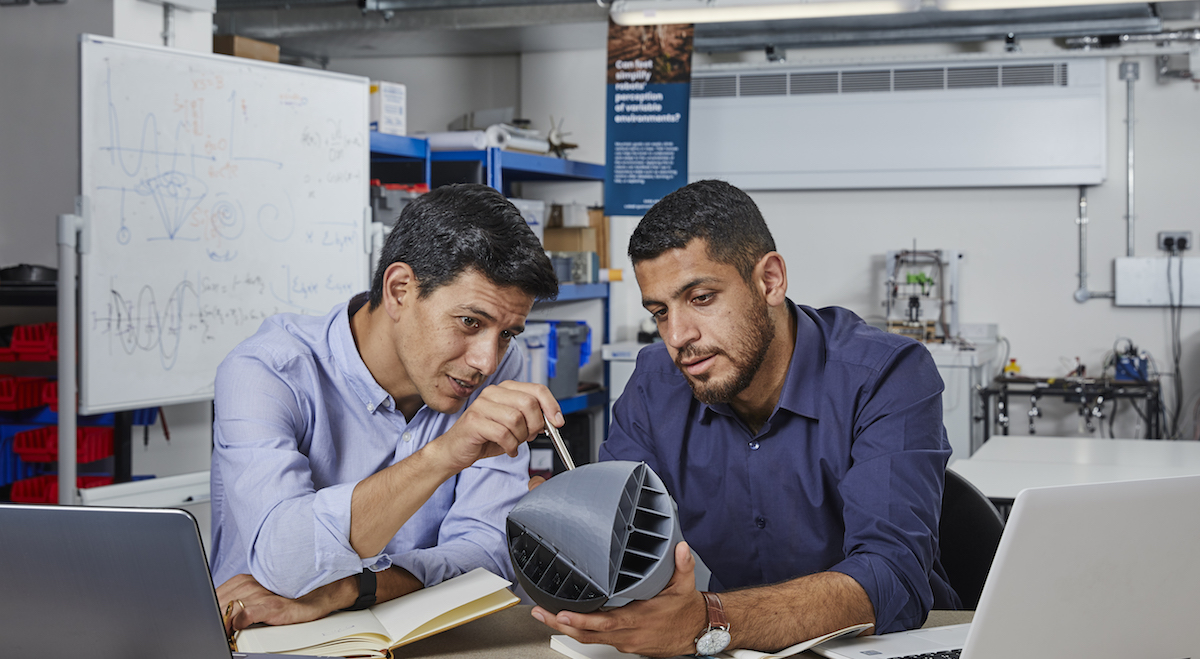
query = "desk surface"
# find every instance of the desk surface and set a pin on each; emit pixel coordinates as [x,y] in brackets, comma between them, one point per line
[1001,480]
[514,633]
[1088,450]
[1005,465]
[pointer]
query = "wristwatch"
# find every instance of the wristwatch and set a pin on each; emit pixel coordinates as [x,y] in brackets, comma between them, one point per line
[366,592]
[715,637]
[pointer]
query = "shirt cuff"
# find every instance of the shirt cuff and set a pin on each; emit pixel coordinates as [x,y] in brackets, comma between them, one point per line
[331,529]
[892,602]
[434,565]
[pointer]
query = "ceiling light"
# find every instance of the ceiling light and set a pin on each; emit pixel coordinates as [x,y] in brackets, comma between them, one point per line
[670,12]
[981,5]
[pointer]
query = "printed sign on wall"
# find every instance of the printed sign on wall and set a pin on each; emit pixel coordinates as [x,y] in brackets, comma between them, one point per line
[649,83]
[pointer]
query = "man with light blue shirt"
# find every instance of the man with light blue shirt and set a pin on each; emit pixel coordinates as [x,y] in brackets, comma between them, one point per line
[363,455]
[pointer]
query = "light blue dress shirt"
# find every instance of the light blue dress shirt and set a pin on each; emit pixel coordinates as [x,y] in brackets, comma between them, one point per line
[299,422]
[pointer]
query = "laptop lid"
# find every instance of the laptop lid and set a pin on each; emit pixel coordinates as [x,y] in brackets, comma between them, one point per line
[1102,571]
[1099,570]
[105,583]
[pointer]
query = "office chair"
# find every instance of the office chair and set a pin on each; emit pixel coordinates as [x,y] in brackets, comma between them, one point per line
[969,531]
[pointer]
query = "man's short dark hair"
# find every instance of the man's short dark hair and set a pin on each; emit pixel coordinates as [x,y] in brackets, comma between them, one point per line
[724,216]
[456,228]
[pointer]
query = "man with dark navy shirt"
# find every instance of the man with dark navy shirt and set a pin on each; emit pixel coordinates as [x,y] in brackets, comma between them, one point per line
[804,448]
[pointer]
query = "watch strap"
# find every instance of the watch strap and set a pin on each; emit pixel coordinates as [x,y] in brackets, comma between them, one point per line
[366,591]
[716,612]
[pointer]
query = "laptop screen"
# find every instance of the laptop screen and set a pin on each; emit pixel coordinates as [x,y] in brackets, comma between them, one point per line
[105,583]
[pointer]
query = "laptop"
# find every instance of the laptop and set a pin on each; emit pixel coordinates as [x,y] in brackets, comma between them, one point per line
[1107,570]
[106,583]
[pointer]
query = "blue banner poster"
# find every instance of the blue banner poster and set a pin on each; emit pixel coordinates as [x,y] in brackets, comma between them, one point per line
[649,85]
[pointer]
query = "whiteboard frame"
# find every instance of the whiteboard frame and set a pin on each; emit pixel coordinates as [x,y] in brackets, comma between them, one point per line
[86,405]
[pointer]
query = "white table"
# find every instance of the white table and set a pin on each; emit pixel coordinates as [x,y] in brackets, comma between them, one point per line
[1007,464]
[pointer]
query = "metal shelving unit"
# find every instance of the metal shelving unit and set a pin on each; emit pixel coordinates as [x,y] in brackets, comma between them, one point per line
[397,148]
[505,167]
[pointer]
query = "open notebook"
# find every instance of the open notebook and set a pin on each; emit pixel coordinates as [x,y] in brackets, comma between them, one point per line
[1103,571]
[373,632]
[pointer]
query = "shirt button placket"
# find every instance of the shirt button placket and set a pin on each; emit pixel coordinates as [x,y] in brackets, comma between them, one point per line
[760,522]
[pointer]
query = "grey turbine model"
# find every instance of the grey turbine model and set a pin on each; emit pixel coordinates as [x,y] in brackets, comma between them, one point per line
[601,535]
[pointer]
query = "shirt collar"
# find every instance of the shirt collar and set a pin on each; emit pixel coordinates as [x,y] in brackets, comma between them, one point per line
[799,393]
[359,378]
[801,387]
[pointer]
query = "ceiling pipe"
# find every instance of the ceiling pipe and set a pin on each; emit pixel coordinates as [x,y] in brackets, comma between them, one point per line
[1103,41]
[1129,73]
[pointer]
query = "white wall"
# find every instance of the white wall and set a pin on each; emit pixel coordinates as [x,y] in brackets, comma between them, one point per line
[440,89]
[141,21]
[568,86]
[39,121]
[1020,245]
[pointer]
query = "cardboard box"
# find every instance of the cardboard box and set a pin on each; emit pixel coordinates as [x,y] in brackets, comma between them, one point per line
[569,240]
[599,221]
[389,107]
[231,44]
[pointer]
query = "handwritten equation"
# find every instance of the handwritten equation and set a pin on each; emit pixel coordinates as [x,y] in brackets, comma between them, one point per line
[198,310]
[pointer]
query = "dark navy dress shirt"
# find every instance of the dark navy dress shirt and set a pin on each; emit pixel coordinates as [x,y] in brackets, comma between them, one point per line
[845,475]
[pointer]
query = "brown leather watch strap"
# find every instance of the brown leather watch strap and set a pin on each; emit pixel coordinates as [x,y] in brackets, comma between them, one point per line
[716,612]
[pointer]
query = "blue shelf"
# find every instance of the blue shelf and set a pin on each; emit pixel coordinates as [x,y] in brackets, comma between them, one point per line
[597,398]
[571,292]
[504,167]
[529,167]
[398,146]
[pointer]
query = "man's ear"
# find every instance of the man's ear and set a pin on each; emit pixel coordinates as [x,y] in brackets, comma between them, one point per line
[399,288]
[770,275]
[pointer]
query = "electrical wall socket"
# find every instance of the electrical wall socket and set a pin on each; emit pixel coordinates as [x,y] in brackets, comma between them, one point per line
[1176,238]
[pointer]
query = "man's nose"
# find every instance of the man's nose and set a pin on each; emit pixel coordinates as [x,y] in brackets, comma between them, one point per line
[483,355]
[680,331]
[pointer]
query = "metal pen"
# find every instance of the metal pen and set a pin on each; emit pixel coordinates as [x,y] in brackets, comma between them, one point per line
[559,445]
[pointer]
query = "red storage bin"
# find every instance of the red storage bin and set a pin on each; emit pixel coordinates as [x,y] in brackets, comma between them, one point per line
[35,343]
[50,394]
[41,445]
[44,489]
[20,393]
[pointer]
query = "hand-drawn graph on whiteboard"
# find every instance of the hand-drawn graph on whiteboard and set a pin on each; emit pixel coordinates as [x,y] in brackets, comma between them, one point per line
[218,191]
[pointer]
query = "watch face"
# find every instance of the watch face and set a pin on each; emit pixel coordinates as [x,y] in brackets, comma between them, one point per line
[712,642]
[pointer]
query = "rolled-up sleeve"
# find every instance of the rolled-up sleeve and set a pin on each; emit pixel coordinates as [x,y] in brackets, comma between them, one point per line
[296,537]
[893,488]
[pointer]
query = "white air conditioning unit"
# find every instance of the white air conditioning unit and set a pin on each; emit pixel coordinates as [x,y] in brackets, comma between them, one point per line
[964,124]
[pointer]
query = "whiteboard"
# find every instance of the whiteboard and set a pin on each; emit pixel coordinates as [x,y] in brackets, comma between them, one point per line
[216,191]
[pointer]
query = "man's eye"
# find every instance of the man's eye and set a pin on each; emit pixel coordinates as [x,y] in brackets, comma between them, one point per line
[506,335]
[467,321]
[701,299]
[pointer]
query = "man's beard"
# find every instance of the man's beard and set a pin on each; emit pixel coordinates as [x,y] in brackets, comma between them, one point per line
[747,356]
